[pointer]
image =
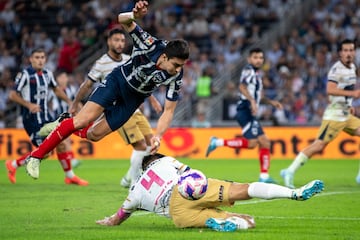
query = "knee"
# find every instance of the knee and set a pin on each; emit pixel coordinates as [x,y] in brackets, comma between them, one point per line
[93,136]
[81,122]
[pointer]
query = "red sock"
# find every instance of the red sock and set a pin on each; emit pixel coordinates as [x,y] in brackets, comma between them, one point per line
[83,132]
[21,160]
[61,132]
[236,143]
[65,160]
[264,160]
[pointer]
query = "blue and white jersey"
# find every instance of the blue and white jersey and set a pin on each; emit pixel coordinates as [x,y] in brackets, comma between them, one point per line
[141,71]
[252,79]
[59,106]
[35,87]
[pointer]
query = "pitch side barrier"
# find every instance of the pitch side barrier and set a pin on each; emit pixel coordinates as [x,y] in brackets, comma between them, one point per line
[192,143]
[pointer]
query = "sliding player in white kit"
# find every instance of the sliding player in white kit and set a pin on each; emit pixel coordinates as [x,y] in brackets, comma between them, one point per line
[156,191]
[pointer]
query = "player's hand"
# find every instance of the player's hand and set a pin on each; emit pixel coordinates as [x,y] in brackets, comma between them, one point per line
[74,108]
[109,221]
[254,108]
[356,93]
[140,9]
[34,108]
[155,144]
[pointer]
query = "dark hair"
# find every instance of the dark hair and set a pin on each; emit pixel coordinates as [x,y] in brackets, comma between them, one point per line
[38,50]
[115,31]
[177,48]
[345,41]
[255,50]
[150,158]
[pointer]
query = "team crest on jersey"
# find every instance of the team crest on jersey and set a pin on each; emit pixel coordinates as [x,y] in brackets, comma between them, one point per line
[149,40]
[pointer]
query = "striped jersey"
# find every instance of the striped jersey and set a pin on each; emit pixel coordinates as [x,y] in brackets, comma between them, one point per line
[338,108]
[141,71]
[35,87]
[153,189]
[60,106]
[252,79]
[103,66]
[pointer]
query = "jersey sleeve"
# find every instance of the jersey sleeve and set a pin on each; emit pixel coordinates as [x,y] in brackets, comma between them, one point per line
[20,81]
[173,89]
[95,73]
[142,39]
[132,202]
[333,75]
[245,76]
[52,81]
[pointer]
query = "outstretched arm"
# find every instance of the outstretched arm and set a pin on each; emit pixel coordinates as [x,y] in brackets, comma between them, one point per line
[115,219]
[163,124]
[127,19]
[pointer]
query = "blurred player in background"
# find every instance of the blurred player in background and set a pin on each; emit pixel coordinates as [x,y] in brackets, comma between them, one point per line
[153,63]
[338,115]
[250,88]
[32,91]
[156,191]
[59,106]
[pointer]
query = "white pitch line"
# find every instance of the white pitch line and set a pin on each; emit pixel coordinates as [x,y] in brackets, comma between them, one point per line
[313,218]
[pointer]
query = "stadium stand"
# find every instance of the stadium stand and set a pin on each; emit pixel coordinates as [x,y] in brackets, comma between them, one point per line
[299,38]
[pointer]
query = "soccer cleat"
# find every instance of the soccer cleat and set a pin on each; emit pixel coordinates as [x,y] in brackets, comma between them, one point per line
[358,178]
[220,225]
[76,180]
[308,190]
[11,171]
[238,221]
[212,146]
[267,180]
[288,178]
[48,127]
[32,165]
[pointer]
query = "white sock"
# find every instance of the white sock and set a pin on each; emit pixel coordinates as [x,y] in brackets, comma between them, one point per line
[136,164]
[268,191]
[69,174]
[299,161]
[219,142]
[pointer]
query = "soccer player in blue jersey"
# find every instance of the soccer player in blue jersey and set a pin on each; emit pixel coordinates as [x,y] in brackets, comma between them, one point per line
[250,95]
[32,92]
[153,63]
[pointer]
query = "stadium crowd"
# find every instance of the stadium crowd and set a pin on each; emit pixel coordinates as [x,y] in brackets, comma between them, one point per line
[218,31]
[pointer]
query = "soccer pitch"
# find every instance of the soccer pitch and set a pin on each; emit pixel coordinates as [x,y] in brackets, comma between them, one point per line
[48,209]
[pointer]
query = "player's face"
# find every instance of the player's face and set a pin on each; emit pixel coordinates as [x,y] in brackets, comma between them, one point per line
[347,54]
[256,59]
[116,43]
[38,60]
[172,65]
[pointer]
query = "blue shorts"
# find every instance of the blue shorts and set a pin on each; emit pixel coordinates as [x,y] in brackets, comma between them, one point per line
[251,127]
[32,127]
[118,98]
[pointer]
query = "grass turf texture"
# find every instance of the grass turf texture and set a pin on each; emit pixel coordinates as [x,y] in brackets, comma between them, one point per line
[49,209]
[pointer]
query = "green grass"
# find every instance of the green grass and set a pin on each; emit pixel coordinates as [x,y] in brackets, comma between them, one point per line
[49,209]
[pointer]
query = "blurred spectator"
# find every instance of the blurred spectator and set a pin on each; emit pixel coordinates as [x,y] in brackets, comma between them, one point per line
[69,52]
